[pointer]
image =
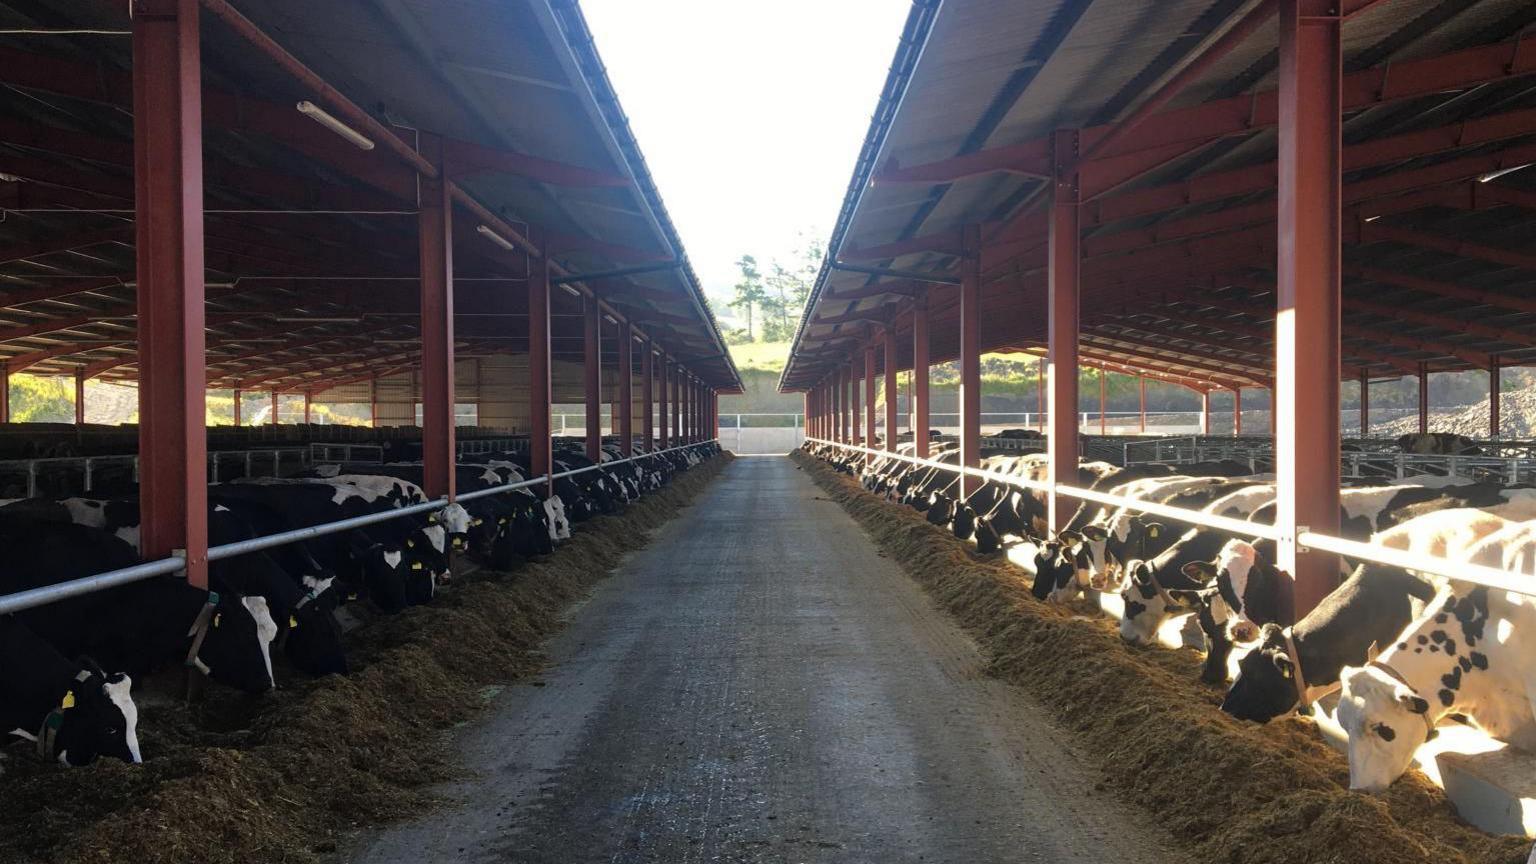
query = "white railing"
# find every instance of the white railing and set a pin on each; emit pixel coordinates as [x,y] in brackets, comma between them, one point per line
[1462,571]
[34,597]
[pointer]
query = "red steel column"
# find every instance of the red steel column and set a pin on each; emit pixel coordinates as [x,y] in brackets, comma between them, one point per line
[5,394]
[238,398]
[1237,411]
[844,385]
[661,403]
[1141,385]
[1063,267]
[1205,413]
[892,392]
[869,398]
[1423,398]
[919,406]
[1307,319]
[540,390]
[647,396]
[80,395]
[1103,401]
[308,400]
[592,317]
[855,419]
[1040,379]
[970,356]
[434,223]
[1493,397]
[627,388]
[677,405]
[1365,405]
[168,228]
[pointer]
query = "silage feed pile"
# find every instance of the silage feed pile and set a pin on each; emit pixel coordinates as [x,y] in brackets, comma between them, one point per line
[1232,791]
[279,778]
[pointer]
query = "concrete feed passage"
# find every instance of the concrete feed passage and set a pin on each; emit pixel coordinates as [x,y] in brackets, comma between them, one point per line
[759,684]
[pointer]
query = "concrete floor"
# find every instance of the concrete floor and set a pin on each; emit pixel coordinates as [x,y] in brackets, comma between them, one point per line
[761,685]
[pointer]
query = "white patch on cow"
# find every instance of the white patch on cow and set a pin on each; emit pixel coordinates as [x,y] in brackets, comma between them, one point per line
[129,534]
[327,470]
[220,508]
[455,518]
[121,695]
[86,511]
[393,560]
[1237,558]
[1357,503]
[435,535]
[318,586]
[266,629]
[22,733]
[490,478]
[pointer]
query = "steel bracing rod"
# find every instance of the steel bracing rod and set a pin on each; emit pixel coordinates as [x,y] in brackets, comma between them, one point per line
[914,275]
[614,274]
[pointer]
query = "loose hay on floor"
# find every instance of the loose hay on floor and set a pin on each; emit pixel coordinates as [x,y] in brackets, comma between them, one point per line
[277,778]
[1232,791]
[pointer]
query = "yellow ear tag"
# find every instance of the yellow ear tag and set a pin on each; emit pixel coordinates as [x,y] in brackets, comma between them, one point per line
[1152,532]
[410,544]
[217,618]
[68,701]
[293,623]
[415,565]
[478,522]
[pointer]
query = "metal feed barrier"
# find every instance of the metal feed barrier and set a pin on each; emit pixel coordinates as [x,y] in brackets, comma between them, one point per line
[31,472]
[32,598]
[1508,462]
[1462,571]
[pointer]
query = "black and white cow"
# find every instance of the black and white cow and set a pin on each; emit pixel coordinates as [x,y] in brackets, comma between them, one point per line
[1371,607]
[72,713]
[1438,443]
[1467,653]
[141,625]
[1146,596]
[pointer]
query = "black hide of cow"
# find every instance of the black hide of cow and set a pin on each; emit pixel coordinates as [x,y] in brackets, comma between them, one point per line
[88,711]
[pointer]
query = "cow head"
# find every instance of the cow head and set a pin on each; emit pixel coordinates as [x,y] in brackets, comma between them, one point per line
[964,524]
[96,717]
[941,509]
[987,539]
[1385,720]
[1126,538]
[1210,612]
[1055,569]
[313,640]
[1147,606]
[1265,686]
[456,521]
[237,643]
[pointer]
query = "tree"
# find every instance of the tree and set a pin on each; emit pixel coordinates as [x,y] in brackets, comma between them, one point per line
[749,291]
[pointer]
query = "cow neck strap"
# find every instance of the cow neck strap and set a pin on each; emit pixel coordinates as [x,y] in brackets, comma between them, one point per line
[1429,724]
[1298,677]
[53,721]
[199,632]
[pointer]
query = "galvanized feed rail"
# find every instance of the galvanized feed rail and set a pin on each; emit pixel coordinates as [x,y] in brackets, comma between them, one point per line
[1462,571]
[34,597]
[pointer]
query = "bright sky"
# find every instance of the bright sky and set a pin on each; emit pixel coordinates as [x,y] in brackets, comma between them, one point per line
[750,114]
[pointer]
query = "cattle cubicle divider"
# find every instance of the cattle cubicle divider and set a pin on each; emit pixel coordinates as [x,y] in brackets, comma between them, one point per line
[1461,571]
[34,597]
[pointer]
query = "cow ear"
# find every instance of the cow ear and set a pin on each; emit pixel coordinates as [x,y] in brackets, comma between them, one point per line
[1153,529]
[1071,538]
[1201,570]
[1096,533]
[1413,703]
[1271,636]
[1283,663]
[1372,652]
[1190,598]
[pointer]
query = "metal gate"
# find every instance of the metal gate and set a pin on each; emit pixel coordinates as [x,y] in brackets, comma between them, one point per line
[760,434]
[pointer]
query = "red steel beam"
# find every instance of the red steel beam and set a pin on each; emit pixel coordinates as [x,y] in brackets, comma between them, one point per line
[466,159]
[168,181]
[919,406]
[592,318]
[1192,71]
[1308,291]
[1212,366]
[626,419]
[1442,289]
[434,224]
[69,243]
[869,399]
[647,396]
[890,390]
[540,389]
[970,358]
[1063,272]
[1199,124]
